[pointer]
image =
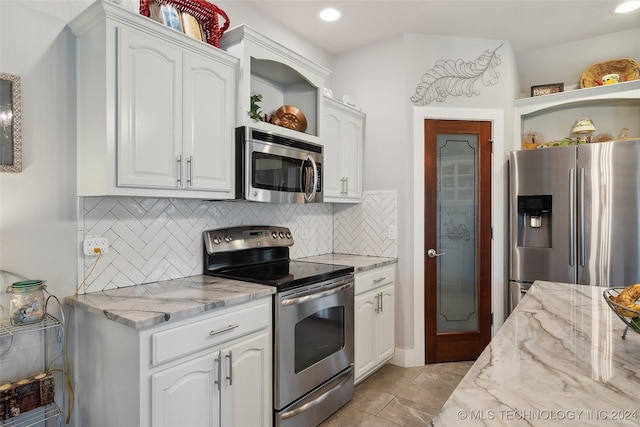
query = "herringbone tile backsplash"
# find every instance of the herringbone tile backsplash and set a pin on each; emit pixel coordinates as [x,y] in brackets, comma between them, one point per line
[363,229]
[161,239]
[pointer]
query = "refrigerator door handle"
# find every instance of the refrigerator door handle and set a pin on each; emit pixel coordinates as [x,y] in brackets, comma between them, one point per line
[572,217]
[581,218]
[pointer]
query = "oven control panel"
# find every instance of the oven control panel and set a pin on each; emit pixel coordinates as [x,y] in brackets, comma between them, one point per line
[246,237]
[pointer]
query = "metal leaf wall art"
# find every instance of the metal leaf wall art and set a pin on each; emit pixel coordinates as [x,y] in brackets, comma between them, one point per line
[457,78]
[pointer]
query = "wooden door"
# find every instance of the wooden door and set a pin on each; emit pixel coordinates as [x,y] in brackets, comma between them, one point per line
[457,259]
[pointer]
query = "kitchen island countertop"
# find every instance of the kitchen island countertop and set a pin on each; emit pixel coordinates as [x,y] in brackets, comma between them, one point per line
[152,303]
[360,263]
[558,359]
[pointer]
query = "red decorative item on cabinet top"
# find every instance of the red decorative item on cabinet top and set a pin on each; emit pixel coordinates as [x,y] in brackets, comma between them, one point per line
[206,13]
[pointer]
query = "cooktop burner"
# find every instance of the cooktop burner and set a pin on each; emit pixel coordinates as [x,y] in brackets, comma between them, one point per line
[286,274]
[260,254]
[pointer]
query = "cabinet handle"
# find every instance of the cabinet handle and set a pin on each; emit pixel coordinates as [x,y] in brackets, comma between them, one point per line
[225,329]
[343,185]
[180,170]
[230,377]
[377,303]
[190,171]
[381,302]
[346,187]
[379,279]
[218,360]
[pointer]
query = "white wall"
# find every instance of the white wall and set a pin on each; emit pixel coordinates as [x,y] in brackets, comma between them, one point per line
[241,13]
[38,208]
[565,63]
[38,217]
[383,78]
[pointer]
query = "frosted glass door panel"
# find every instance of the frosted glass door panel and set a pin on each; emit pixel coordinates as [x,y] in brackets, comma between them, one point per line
[457,239]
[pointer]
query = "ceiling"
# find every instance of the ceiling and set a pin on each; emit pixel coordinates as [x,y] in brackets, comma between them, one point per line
[527,24]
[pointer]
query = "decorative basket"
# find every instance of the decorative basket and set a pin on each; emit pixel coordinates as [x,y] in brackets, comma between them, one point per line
[206,13]
[628,69]
[630,317]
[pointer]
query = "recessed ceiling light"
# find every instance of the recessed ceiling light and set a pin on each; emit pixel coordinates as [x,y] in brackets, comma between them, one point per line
[330,14]
[628,6]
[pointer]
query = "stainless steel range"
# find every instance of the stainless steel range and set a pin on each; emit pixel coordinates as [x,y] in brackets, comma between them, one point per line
[312,317]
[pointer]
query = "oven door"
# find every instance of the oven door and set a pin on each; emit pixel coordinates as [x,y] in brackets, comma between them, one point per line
[282,174]
[313,337]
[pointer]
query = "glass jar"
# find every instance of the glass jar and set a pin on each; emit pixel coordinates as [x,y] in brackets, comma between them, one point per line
[27,302]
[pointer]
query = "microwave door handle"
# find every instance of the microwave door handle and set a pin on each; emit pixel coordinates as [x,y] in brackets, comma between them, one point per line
[311,196]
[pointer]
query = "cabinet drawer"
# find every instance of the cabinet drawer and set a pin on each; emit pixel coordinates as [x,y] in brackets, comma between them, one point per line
[182,340]
[374,278]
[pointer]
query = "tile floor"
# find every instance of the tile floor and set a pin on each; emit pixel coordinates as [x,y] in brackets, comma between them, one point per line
[396,396]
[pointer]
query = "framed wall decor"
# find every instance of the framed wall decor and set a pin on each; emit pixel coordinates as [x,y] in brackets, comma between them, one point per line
[547,89]
[10,123]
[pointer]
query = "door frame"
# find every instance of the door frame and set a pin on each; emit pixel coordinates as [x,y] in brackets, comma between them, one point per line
[499,207]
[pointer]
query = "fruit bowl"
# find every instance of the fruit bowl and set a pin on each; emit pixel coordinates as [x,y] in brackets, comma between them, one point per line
[630,317]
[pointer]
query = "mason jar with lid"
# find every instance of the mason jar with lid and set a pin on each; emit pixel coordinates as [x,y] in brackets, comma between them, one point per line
[27,302]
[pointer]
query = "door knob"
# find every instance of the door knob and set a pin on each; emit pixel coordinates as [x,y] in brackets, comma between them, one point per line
[431,253]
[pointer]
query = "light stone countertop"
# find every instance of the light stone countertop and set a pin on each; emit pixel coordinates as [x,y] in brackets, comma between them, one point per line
[144,305]
[559,359]
[359,262]
[148,304]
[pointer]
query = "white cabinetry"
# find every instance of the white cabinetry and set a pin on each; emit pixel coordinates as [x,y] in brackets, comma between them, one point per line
[343,140]
[281,76]
[374,320]
[155,109]
[211,370]
[611,108]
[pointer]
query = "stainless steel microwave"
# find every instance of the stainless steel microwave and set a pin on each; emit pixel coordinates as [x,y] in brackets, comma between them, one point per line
[277,169]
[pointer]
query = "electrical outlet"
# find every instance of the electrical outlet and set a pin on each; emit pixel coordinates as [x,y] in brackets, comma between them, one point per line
[94,246]
[391,234]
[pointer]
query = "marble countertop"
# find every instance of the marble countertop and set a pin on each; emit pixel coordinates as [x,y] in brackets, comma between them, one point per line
[559,358]
[360,263]
[152,303]
[144,305]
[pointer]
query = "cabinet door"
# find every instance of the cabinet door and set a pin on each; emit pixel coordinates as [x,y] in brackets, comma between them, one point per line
[364,332]
[208,124]
[186,394]
[149,110]
[332,179]
[247,385]
[343,140]
[385,325]
[351,141]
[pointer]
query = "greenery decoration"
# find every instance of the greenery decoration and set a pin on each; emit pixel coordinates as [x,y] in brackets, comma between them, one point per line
[255,112]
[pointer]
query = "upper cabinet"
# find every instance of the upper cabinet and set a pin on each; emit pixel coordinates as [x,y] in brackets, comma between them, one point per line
[156,109]
[281,76]
[343,140]
[611,108]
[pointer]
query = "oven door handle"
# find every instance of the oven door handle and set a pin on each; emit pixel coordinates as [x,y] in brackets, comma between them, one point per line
[342,286]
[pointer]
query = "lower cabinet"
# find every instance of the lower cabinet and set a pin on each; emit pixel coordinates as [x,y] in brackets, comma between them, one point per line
[211,370]
[374,320]
[215,389]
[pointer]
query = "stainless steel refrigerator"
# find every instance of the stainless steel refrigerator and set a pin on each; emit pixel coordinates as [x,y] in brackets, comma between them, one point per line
[575,215]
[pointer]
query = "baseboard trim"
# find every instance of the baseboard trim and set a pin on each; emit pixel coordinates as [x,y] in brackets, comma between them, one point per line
[403,357]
